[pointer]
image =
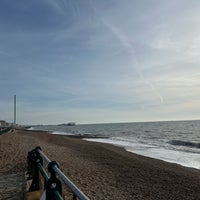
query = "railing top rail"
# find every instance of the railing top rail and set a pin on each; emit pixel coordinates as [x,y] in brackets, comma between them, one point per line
[64,178]
[43,156]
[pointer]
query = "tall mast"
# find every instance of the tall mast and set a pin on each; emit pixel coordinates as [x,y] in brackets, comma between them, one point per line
[14,109]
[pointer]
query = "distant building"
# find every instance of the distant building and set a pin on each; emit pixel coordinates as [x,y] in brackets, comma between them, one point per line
[3,123]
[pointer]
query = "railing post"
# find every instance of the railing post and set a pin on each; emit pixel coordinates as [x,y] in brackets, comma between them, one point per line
[54,185]
[34,159]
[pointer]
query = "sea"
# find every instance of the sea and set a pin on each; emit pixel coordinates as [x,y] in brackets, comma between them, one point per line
[171,141]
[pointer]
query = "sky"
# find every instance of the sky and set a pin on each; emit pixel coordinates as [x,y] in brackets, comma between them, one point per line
[99,61]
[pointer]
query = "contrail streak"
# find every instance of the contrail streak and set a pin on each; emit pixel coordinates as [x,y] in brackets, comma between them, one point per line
[124,40]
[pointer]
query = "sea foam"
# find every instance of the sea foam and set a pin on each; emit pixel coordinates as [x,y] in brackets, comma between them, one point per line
[186,159]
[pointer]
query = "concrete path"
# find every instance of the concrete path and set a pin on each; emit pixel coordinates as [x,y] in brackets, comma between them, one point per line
[12,186]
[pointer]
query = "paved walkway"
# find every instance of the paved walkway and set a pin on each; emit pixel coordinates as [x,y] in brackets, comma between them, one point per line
[12,186]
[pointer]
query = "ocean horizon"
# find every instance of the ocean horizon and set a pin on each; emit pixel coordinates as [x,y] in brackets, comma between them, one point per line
[171,141]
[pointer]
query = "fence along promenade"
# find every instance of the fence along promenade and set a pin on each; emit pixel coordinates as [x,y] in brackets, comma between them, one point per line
[51,186]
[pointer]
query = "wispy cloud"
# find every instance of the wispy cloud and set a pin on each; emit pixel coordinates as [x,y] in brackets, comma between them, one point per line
[99,60]
[127,44]
[58,5]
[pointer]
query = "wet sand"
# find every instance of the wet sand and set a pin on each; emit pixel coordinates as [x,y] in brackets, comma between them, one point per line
[102,171]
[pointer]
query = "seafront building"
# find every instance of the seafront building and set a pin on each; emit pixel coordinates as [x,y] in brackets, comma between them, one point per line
[3,123]
[4,126]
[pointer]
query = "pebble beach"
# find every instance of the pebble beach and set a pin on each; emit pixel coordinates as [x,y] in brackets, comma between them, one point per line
[101,171]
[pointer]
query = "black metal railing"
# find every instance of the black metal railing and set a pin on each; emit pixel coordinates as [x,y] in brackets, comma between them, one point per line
[52,184]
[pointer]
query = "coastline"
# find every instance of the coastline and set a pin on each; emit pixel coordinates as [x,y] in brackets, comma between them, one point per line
[102,171]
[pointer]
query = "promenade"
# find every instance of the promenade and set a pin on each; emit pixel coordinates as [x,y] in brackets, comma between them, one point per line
[12,186]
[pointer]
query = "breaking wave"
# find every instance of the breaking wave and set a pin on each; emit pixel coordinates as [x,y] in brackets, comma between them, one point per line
[184,143]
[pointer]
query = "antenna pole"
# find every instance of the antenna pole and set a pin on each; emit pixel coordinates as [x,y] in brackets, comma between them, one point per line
[14,109]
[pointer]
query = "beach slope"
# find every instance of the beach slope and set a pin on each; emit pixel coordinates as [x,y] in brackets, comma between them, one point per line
[102,171]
